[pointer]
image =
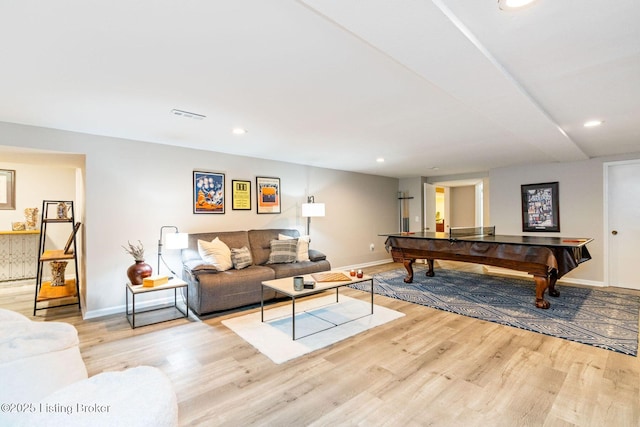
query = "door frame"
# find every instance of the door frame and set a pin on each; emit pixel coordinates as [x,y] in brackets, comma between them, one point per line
[607,227]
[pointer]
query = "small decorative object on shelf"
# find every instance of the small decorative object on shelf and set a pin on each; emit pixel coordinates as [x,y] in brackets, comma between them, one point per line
[31,218]
[138,271]
[57,272]
[17,226]
[62,210]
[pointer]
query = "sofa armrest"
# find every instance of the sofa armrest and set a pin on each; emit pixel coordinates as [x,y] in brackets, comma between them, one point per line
[315,255]
[194,264]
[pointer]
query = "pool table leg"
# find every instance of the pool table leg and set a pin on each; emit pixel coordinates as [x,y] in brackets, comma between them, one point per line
[553,277]
[430,272]
[408,265]
[542,283]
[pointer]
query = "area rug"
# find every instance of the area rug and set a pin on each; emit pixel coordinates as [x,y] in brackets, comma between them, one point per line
[599,318]
[316,320]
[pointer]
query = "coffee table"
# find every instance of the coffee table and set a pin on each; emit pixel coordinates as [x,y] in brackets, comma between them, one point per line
[285,286]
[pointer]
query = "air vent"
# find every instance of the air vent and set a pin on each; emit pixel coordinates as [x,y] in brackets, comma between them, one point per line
[187,114]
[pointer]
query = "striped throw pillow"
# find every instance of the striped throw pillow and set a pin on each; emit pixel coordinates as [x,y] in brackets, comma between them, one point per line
[241,258]
[283,251]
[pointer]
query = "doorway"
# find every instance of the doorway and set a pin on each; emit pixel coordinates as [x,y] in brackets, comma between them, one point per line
[458,203]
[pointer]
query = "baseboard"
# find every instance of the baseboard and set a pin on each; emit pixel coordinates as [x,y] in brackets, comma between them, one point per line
[566,280]
[364,265]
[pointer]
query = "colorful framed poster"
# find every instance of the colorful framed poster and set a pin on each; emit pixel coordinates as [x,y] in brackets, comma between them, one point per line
[208,192]
[268,194]
[540,207]
[7,189]
[240,195]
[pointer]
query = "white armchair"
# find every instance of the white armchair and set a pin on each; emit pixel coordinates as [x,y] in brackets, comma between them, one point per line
[45,382]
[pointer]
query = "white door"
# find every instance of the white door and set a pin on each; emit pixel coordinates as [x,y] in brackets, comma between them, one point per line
[429,207]
[623,211]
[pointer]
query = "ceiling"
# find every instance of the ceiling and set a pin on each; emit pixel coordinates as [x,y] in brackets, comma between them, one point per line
[435,87]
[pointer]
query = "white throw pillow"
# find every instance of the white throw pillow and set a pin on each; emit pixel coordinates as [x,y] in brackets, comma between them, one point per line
[216,253]
[303,246]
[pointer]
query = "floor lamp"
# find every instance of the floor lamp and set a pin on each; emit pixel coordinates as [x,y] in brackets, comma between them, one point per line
[175,240]
[311,209]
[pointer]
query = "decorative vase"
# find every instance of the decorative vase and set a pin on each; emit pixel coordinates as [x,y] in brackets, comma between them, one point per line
[31,217]
[138,271]
[57,273]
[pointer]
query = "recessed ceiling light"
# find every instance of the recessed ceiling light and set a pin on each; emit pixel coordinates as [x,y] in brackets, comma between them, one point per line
[182,113]
[514,4]
[593,123]
[380,160]
[239,131]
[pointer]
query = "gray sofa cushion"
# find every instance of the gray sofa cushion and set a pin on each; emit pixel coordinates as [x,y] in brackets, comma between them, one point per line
[233,239]
[299,268]
[224,290]
[190,256]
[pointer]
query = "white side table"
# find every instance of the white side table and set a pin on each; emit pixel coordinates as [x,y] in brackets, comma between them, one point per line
[174,284]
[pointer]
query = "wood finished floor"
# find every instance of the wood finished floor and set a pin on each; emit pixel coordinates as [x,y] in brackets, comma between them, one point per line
[429,368]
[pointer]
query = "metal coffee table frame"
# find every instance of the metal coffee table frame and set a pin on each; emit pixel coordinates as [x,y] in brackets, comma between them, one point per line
[285,286]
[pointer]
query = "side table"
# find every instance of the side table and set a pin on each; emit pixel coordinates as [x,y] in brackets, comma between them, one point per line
[174,284]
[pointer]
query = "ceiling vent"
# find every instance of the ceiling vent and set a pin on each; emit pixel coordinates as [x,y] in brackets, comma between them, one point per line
[187,114]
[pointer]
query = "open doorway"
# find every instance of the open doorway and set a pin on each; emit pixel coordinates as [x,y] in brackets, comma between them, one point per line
[41,175]
[441,209]
[455,203]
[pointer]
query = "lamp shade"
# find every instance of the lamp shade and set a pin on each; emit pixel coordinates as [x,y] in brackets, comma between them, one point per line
[176,240]
[312,209]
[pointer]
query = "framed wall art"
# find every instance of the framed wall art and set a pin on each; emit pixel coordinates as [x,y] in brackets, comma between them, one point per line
[268,194]
[7,189]
[208,192]
[540,207]
[240,195]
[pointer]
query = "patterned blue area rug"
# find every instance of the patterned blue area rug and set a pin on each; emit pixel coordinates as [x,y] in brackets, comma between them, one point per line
[599,318]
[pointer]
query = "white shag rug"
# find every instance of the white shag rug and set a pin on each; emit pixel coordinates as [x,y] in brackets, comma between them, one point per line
[316,320]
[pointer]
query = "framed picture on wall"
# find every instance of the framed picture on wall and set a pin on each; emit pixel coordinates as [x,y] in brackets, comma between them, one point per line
[208,192]
[540,207]
[268,195]
[7,189]
[240,195]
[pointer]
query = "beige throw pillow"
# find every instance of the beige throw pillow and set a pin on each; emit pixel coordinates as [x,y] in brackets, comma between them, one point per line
[216,253]
[302,250]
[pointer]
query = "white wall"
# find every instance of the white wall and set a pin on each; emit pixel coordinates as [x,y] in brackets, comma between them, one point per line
[412,187]
[133,188]
[35,183]
[486,203]
[581,205]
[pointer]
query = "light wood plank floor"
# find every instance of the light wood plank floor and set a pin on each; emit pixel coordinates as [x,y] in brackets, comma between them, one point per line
[427,368]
